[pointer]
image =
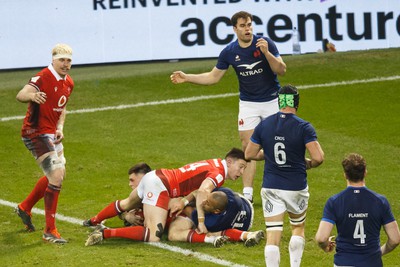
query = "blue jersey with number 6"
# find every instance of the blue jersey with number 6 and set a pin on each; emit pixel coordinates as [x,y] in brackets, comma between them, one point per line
[359,214]
[283,137]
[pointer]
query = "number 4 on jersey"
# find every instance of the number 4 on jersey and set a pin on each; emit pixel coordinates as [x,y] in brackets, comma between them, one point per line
[359,232]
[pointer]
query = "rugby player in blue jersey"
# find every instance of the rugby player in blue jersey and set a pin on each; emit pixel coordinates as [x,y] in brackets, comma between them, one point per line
[359,213]
[228,216]
[257,62]
[282,140]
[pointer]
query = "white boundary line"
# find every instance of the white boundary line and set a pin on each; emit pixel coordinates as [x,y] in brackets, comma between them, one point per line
[186,252]
[205,97]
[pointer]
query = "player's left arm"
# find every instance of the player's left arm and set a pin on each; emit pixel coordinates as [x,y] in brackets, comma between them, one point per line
[393,234]
[60,126]
[316,154]
[276,63]
[323,236]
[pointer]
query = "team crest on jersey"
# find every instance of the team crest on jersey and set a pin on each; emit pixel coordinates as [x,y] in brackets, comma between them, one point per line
[256,53]
[241,122]
[149,195]
[55,89]
[237,58]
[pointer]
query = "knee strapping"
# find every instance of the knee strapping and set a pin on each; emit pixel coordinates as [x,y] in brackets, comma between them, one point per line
[298,221]
[274,226]
[51,163]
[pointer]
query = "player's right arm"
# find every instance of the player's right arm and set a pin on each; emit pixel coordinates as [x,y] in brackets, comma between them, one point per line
[393,234]
[254,151]
[177,205]
[316,154]
[29,93]
[323,238]
[206,187]
[206,78]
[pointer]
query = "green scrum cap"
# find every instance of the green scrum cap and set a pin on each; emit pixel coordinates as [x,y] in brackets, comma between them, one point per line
[288,96]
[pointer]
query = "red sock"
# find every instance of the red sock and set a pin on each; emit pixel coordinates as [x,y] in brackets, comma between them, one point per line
[138,233]
[50,206]
[233,234]
[194,237]
[112,210]
[35,195]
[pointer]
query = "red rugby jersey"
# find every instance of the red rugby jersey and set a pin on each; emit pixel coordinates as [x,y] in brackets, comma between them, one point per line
[43,118]
[182,181]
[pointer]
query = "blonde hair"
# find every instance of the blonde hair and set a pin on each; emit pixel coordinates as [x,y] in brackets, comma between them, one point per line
[61,51]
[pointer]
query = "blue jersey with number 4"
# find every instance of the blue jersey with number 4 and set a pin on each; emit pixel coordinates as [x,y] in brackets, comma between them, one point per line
[284,136]
[358,214]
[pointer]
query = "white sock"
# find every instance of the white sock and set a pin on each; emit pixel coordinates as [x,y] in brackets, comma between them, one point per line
[296,248]
[248,193]
[272,256]
[209,239]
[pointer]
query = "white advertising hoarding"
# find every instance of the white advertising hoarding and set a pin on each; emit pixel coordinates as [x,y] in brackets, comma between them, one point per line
[106,31]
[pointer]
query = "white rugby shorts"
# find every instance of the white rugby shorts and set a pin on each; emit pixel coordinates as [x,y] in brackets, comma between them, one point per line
[276,201]
[251,113]
[152,191]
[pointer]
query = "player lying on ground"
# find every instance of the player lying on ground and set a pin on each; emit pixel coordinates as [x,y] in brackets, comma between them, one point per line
[228,216]
[157,187]
[235,214]
[224,211]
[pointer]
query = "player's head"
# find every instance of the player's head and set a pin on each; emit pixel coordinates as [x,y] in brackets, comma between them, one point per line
[62,59]
[62,51]
[242,23]
[141,167]
[236,163]
[355,167]
[215,203]
[288,96]
[136,173]
[235,153]
[240,15]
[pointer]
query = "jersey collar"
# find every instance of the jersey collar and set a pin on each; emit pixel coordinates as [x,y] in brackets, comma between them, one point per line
[225,167]
[56,75]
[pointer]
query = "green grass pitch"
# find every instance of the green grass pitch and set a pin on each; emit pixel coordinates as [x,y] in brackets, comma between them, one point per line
[354,108]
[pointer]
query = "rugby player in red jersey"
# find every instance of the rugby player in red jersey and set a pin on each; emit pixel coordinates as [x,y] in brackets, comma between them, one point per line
[47,94]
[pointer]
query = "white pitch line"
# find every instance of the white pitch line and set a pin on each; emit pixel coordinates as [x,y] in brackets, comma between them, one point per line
[186,252]
[205,97]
